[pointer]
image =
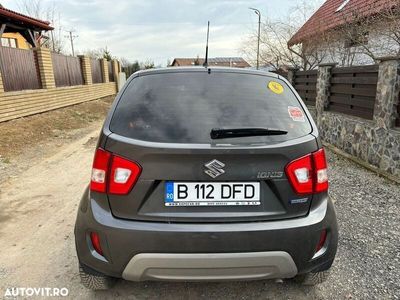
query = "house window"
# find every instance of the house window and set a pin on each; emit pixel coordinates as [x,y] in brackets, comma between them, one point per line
[9,42]
[342,5]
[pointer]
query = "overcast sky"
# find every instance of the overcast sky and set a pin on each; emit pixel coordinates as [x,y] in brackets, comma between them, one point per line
[161,30]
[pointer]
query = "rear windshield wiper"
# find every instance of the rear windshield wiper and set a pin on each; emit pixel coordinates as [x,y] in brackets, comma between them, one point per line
[218,133]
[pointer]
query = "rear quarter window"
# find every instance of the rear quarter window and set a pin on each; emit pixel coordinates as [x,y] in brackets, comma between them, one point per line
[183,107]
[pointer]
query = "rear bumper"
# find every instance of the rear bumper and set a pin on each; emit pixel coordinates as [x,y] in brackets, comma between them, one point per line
[181,251]
[210,266]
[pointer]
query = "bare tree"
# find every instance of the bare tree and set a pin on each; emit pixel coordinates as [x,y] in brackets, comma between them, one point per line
[124,61]
[275,34]
[362,38]
[147,64]
[377,34]
[99,53]
[36,9]
[392,28]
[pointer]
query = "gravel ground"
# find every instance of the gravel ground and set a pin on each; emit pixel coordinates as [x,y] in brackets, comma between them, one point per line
[368,260]
[38,207]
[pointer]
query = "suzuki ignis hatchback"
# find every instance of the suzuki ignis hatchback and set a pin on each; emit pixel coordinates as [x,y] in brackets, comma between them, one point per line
[206,174]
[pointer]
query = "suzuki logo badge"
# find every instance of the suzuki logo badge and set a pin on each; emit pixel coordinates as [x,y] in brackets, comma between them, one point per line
[214,168]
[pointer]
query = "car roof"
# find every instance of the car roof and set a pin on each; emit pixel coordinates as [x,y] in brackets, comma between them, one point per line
[205,69]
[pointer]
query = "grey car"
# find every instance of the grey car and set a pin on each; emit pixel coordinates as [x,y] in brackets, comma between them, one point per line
[207,174]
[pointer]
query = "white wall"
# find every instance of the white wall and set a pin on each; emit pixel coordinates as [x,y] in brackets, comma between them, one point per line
[335,51]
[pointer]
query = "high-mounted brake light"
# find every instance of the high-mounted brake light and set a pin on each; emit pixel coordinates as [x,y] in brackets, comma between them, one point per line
[308,174]
[113,174]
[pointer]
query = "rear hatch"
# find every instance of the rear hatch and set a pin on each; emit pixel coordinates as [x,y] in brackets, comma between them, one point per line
[163,122]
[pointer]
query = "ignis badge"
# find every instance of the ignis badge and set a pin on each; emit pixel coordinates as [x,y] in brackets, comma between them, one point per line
[269,175]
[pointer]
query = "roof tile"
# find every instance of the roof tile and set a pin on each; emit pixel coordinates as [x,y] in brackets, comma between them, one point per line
[8,13]
[326,17]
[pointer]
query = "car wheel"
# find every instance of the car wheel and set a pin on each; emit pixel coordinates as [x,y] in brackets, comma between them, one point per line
[96,281]
[311,279]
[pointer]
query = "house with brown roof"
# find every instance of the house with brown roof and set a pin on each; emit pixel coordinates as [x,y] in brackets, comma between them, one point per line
[351,32]
[21,31]
[233,62]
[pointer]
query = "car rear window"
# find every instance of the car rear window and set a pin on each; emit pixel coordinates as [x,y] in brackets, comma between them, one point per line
[183,107]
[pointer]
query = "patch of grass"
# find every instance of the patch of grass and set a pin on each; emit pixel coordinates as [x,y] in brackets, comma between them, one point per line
[5,160]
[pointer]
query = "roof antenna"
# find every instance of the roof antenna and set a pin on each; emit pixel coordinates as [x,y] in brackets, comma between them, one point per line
[208,34]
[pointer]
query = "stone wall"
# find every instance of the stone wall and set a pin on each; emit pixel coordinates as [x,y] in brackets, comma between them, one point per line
[377,141]
[363,139]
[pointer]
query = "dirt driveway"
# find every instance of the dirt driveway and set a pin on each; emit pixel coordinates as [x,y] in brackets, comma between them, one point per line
[38,207]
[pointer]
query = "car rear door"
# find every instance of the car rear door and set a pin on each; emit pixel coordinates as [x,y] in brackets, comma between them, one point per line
[163,122]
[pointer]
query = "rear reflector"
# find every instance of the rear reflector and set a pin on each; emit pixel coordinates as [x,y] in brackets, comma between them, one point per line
[113,174]
[95,239]
[322,240]
[308,174]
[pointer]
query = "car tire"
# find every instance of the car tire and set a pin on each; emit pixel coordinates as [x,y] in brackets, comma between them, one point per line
[96,281]
[311,279]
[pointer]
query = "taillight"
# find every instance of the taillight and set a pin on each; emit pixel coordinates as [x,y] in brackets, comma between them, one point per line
[113,174]
[98,181]
[321,171]
[124,175]
[308,174]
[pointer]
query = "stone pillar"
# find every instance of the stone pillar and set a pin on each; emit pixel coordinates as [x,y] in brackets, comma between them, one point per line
[86,69]
[45,68]
[104,70]
[387,95]
[323,90]
[292,75]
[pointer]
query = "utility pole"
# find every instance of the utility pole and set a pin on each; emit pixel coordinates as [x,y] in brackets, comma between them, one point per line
[71,38]
[257,12]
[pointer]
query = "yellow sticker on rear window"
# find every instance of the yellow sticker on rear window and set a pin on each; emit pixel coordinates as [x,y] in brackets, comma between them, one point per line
[275,87]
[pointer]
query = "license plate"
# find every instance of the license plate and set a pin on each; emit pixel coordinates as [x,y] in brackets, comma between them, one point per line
[212,193]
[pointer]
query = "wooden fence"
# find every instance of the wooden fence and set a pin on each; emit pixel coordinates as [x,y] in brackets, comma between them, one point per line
[35,81]
[95,65]
[19,68]
[110,72]
[67,70]
[353,91]
[305,83]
